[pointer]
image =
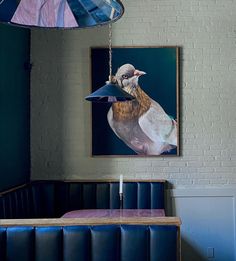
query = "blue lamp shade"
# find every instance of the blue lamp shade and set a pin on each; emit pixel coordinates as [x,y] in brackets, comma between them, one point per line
[60,13]
[109,93]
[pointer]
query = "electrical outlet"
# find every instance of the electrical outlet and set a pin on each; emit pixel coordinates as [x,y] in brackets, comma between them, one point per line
[210,252]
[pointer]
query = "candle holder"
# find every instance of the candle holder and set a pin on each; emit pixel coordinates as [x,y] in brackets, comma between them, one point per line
[121,200]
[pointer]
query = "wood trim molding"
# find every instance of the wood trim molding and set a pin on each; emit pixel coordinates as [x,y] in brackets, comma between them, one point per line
[92,221]
[103,180]
[13,189]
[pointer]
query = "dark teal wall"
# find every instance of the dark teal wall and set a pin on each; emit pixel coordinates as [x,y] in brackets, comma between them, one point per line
[14,107]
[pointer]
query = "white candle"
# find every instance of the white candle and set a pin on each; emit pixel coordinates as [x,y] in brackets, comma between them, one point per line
[121,185]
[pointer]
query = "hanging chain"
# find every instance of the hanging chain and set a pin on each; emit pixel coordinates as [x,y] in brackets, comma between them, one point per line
[110,52]
[1,2]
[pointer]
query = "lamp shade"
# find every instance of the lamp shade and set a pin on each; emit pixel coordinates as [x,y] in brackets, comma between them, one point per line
[60,13]
[109,93]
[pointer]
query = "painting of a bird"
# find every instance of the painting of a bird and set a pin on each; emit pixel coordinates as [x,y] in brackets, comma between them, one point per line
[142,124]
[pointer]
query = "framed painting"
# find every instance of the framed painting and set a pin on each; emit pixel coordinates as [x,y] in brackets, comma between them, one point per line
[149,124]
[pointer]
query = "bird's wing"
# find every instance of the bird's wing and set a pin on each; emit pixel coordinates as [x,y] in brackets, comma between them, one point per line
[157,125]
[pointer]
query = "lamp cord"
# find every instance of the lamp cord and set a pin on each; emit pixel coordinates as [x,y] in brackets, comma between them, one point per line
[110,52]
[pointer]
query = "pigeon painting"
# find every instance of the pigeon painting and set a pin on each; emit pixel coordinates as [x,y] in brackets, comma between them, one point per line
[142,124]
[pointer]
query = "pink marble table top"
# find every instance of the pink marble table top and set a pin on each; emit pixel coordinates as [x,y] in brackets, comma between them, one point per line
[114,213]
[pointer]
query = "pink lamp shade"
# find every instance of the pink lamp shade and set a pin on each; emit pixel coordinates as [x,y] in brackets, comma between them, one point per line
[49,14]
[60,13]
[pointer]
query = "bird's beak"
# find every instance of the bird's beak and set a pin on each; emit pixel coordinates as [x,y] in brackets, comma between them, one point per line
[138,73]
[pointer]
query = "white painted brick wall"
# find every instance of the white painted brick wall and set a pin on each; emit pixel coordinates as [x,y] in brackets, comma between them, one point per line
[60,117]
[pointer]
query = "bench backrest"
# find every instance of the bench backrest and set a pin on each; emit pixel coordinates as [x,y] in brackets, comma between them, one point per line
[48,199]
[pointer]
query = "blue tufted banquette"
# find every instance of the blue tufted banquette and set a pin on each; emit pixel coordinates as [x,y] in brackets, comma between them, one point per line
[49,199]
[89,243]
[25,239]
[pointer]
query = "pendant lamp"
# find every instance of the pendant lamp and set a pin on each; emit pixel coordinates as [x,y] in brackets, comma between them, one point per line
[60,13]
[110,92]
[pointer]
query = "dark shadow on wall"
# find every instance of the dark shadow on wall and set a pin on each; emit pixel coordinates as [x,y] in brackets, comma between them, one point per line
[189,253]
[60,121]
[14,106]
[46,103]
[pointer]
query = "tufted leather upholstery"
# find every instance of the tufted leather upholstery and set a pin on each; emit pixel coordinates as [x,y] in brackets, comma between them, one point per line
[47,199]
[89,243]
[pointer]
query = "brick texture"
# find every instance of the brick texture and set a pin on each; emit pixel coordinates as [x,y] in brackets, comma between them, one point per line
[61,118]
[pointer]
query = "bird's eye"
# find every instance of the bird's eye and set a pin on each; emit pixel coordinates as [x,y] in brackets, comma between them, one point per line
[125,76]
